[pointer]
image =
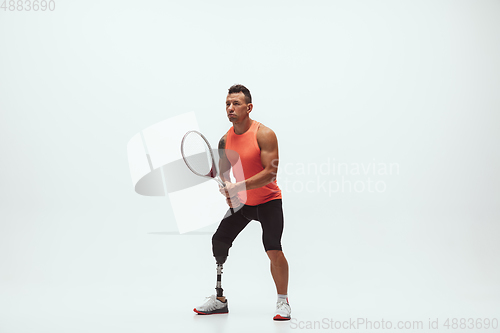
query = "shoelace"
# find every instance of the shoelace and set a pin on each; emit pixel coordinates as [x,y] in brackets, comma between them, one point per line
[283,306]
[211,303]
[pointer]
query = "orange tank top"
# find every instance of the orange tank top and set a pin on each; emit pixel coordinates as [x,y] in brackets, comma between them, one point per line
[249,156]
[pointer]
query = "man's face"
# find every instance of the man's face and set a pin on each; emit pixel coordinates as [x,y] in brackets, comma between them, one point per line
[236,107]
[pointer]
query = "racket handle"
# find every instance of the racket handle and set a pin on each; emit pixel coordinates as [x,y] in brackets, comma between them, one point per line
[220,182]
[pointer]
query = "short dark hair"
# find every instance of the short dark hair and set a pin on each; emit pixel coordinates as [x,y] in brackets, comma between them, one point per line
[236,88]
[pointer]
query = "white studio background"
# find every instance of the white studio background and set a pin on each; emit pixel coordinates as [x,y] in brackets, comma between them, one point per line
[411,85]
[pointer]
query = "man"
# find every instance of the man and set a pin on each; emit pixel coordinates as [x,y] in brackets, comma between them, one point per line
[256,189]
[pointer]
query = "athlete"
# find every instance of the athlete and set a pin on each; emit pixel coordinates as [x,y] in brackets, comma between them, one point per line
[254,196]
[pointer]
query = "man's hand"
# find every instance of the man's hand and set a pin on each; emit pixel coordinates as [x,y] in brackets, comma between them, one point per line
[231,190]
[233,202]
[231,193]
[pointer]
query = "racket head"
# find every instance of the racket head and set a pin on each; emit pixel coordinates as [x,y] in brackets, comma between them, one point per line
[198,155]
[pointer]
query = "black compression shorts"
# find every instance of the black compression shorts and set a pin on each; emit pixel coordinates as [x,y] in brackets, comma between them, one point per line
[270,216]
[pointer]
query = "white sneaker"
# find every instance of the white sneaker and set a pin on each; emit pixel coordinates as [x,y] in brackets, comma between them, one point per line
[212,306]
[283,311]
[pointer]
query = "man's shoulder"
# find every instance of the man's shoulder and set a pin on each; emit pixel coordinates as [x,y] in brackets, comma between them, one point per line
[264,131]
[265,136]
[227,132]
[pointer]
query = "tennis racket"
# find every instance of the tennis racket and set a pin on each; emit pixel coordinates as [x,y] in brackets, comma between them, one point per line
[199,157]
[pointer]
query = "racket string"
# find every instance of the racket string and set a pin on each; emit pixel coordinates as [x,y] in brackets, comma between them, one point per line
[197,155]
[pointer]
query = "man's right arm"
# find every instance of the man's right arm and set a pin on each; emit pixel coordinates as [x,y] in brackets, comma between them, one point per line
[224,165]
[224,170]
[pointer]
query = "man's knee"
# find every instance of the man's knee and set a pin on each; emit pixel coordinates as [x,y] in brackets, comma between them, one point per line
[275,255]
[220,250]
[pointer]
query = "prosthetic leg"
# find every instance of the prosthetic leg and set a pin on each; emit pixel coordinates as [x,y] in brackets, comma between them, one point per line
[218,286]
[220,251]
[214,305]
